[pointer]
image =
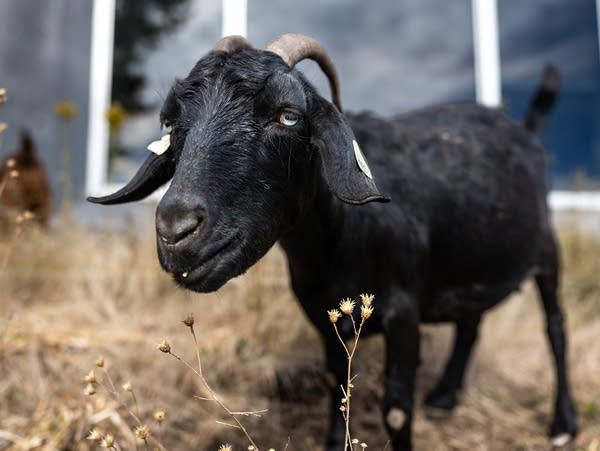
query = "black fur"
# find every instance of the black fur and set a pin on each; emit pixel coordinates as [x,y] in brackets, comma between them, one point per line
[467,223]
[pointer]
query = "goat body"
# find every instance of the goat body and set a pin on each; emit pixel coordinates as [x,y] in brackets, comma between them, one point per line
[257,156]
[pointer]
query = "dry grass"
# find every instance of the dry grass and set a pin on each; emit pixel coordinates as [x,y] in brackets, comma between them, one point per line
[73,294]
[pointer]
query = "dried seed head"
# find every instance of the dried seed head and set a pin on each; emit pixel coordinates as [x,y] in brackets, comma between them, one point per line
[366,312]
[100,362]
[128,387]
[142,432]
[366,299]
[89,390]
[3,126]
[225,447]
[90,377]
[65,110]
[159,416]
[13,174]
[355,441]
[334,315]
[115,116]
[108,441]
[363,445]
[164,346]
[94,435]
[11,163]
[189,320]
[347,306]
[3,96]
[342,408]
[251,448]
[27,215]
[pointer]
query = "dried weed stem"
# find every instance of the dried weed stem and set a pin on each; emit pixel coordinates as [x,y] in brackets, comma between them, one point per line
[347,308]
[165,347]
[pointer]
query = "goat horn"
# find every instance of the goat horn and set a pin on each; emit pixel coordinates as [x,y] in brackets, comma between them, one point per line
[232,44]
[293,48]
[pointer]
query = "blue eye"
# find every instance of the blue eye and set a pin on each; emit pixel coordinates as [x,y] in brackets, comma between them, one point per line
[288,118]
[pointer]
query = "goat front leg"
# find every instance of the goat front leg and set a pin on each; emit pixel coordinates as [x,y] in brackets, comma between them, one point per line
[401,329]
[337,366]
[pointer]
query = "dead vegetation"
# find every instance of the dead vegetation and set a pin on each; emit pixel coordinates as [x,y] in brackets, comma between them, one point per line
[73,294]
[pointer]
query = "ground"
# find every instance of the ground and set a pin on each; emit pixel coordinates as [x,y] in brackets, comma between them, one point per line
[73,294]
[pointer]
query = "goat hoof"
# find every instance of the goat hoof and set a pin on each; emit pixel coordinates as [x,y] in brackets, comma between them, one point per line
[560,441]
[443,401]
[564,427]
[437,413]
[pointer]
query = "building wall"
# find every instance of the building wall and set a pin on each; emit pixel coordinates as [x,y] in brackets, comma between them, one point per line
[44,57]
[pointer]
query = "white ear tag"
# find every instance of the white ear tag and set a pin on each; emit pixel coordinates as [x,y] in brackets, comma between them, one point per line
[360,160]
[159,147]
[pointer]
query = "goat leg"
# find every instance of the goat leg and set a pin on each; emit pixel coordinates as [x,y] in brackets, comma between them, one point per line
[401,329]
[443,398]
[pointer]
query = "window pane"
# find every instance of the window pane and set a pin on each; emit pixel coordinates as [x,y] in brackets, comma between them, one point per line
[538,32]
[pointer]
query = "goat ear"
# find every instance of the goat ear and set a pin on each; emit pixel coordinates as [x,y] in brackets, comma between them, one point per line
[343,164]
[155,172]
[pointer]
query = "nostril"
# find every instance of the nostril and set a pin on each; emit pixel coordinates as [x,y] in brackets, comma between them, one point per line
[172,230]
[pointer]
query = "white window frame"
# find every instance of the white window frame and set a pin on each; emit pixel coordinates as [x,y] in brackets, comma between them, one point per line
[234,21]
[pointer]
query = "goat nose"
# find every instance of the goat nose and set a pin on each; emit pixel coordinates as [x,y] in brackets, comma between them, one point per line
[173,228]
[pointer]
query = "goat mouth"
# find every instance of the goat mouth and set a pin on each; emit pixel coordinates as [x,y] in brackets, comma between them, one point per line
[200,277]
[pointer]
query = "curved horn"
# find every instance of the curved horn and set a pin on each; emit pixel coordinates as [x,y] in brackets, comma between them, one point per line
[232,44]
[293,48]
[154,172]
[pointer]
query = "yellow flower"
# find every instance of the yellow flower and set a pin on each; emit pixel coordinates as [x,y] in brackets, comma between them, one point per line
[347,306]
[115,116]
[189,320]
[128,387]
[366,312]
[65,110]
[225,447]
[334,315]
[94,435]
[159,416]
[142,432]
[108,441]
[89,390]
[164,346]
[90,377]
[366,299]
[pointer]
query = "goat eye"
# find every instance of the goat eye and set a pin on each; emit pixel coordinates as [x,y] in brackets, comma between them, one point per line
[288,118]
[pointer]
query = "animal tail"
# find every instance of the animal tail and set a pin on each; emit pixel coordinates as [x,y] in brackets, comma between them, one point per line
[543,101]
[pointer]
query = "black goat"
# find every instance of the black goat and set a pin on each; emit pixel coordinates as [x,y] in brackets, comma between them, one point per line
[257,156]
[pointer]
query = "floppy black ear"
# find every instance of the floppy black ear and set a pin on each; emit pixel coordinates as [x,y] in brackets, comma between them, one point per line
[343,164]
[154,172]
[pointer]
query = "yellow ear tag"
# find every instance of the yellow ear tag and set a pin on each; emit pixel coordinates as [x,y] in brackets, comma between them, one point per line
[159,147]
[360,160]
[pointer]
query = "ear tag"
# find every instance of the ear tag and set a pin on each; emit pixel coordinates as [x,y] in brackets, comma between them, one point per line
[159,147]
[360,160]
